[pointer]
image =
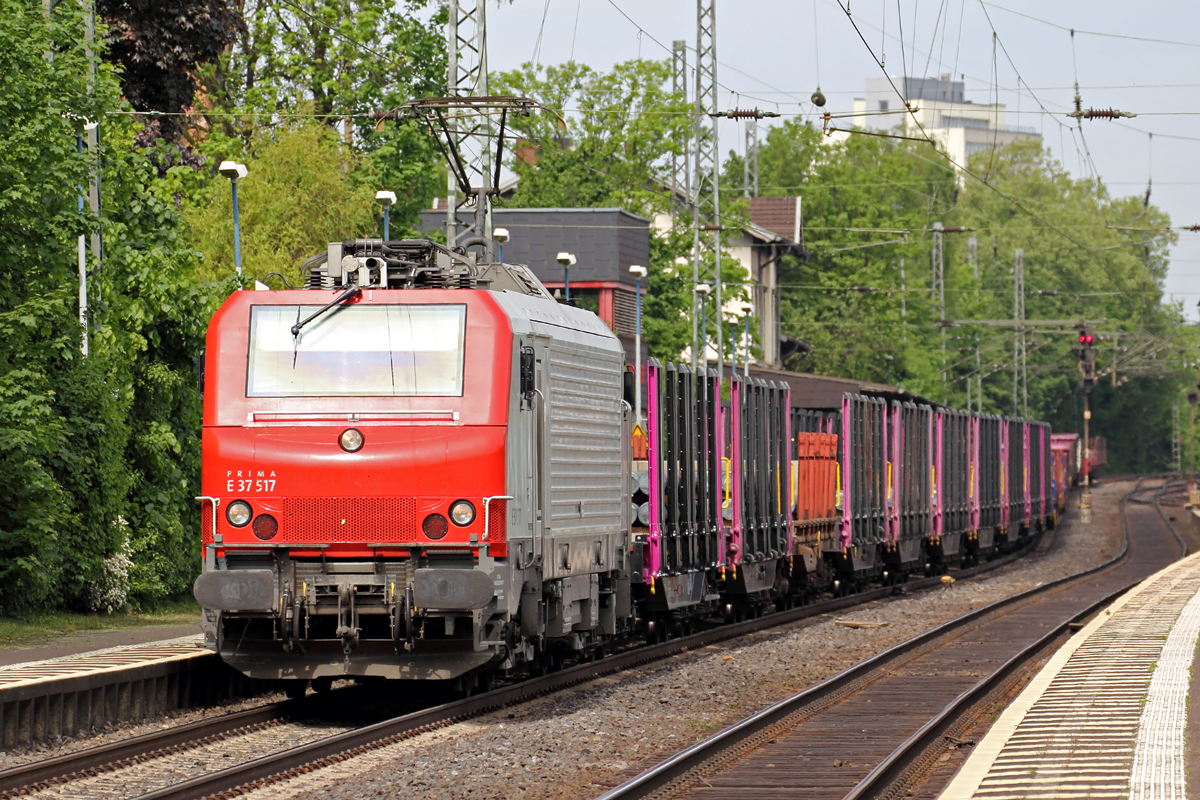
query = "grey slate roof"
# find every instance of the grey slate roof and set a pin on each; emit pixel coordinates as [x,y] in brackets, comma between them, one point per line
[605,241]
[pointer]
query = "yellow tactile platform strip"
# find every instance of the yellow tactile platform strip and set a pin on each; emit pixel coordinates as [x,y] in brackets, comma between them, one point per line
[1075,730]
[98,661]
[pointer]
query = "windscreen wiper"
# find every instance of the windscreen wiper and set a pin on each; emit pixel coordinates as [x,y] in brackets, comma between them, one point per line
[353,291]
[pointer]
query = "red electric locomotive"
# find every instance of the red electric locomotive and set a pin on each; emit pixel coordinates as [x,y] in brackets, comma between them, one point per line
[413,468]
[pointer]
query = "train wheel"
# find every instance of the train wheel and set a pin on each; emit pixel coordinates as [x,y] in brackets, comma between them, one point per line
[295,689]
[483,683]
[322,685]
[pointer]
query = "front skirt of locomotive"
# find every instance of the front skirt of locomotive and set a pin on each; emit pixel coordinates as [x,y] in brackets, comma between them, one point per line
[325,659]
[357,619]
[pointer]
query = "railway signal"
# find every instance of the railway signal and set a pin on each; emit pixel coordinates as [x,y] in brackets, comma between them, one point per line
[1087,358]
[1087,365]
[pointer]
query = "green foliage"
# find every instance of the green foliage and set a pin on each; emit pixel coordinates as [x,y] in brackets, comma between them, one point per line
[104,449]
[158,45]
[606,140]
[299,194]
[605,144]
[1087,256]
[335,61]
[859,198]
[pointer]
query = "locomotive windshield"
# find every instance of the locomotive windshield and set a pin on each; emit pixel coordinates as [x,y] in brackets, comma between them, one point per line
[357,351]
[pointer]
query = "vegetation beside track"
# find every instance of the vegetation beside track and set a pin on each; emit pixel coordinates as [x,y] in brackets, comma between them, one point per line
[46,626]
[102,456]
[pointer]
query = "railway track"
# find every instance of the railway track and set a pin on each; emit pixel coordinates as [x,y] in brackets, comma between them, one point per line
[839,738]
[253,737]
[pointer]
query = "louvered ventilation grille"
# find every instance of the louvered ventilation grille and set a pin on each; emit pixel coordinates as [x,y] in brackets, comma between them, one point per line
[498,522]
[624,312]
[349,519]
[206,521]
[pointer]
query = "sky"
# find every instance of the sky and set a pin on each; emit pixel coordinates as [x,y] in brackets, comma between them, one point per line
[773,54]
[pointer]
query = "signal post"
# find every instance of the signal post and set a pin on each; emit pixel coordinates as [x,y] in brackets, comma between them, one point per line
[1087,365]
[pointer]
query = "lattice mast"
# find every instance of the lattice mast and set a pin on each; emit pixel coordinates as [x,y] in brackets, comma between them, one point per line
[681,170]
[706,217]
[466,50]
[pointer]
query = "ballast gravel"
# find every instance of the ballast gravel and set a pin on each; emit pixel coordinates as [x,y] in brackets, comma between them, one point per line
[119,732]
[578,742]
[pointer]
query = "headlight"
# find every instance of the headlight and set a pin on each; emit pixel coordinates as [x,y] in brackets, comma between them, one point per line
[265,527]
[351,440]
[434,526]
[238,513]
[462,512]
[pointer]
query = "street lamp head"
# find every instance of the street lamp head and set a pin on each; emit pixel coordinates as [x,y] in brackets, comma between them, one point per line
[232,170]
[637,271]
[702,289]
[566,259]
[500,235]
[746,308]
[385,199]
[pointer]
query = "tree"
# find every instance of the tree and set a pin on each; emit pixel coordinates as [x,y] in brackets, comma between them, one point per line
[868,203]
[608,137]
[159,45]
[1087,256]
[103,450]
[299,195]
[335,62]
[606,142]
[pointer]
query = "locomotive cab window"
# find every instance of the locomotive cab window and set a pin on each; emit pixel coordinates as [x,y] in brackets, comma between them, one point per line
[357,351]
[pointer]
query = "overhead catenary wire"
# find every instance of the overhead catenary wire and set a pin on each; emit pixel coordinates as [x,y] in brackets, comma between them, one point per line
[963,168]
[1094,33]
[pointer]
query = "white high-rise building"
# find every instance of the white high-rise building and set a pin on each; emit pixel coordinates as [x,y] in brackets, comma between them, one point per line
[961,127]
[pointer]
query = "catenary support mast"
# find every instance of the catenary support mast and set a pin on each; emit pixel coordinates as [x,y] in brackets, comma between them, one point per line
[706,219]
[466,50]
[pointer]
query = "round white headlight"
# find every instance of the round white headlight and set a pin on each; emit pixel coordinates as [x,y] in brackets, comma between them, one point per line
[351,440]
[462,512]
[238,513]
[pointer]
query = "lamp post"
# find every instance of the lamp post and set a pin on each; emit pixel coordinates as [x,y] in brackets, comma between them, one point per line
[387,200]
[567,259]
[746,309]
[703,289]
[233,171]
[500,236]
[638,273]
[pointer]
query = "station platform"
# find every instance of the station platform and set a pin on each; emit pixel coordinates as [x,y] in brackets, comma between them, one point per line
[1108,715]
[70,695]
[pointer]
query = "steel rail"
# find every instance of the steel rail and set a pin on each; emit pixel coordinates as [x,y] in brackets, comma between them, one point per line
[683,762]
[40,774]
[326,751]
[893,768]
[61,769]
